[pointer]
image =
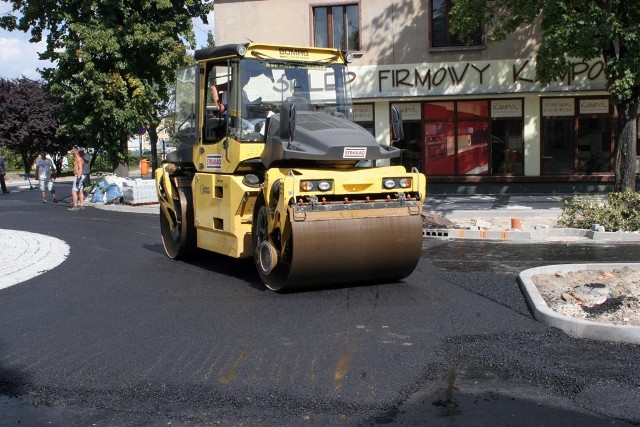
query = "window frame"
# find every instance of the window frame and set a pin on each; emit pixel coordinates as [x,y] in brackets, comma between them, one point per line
[575,117]
[451,43]
[344,45]
[442,149]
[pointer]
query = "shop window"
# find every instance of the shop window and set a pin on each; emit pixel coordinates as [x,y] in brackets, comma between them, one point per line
[576,141]
[473,138]
[439,138]
[439,110]
[440,24]
[558,147]
[507,148]
[337,26]
[412,155]
[369,127]
[473,147]
[363,115]
[457,138]
[440,147]
[594,144]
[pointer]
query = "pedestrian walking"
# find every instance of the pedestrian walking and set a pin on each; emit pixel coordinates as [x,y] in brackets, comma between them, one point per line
[2,174]
[46,173]
[77,195]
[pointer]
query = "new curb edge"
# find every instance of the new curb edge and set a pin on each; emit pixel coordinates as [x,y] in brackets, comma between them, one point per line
[578,328]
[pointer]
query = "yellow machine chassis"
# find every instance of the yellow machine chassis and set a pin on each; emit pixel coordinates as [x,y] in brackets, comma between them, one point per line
[377,241]
[356,231]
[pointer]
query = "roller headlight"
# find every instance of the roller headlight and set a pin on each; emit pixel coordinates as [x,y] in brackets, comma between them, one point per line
[389,184]
[315,185]
[324,185]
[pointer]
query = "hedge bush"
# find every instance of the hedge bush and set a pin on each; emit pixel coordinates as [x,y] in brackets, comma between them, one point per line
[618,212]
[12,161]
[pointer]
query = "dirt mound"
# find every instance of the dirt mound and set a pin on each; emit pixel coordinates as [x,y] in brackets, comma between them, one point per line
[431,220]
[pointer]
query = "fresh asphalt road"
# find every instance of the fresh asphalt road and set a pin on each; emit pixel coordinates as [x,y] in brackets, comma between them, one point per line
[118,334]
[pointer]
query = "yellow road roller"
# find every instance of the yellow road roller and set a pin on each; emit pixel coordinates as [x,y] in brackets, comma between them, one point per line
[269,165]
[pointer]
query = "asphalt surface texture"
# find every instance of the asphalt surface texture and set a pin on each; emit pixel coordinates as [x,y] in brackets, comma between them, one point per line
[118,334]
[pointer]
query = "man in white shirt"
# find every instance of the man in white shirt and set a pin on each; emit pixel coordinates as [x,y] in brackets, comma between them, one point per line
[46,173]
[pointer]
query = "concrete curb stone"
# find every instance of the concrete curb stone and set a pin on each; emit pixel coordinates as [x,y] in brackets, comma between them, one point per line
[578,328]
[542,234]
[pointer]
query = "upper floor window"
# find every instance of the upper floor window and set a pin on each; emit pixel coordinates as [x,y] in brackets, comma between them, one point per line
[337,26]
[440,34]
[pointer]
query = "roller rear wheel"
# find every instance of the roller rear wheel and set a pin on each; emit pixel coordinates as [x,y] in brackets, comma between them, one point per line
[272,268]
[176,222]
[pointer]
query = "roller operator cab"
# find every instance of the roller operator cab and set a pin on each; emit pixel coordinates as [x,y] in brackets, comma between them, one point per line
[270,166]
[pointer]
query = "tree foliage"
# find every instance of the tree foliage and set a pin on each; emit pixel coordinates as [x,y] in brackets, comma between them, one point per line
[582,29]
[28,121]
[115,61]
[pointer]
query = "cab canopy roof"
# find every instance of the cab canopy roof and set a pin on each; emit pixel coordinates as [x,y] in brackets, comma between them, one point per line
[268,51]
[218,51]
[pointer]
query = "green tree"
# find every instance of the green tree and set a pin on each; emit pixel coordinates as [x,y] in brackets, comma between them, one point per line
[115,62]
[28,121]
[582,29]
[211,41]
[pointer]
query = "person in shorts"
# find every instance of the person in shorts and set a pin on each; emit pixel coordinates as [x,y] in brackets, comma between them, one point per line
[46,173]
[86,157]
[2,174]
[77,195]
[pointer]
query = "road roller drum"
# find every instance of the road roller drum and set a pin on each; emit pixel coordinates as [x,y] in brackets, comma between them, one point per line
[329,252]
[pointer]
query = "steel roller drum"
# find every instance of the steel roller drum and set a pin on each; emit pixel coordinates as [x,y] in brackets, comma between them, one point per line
[375,249]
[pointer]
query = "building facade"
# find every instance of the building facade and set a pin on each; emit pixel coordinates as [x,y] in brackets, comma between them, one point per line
[472,112]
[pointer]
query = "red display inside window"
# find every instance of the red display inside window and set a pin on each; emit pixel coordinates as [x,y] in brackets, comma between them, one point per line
[440,148]
[473,110]
[438,110]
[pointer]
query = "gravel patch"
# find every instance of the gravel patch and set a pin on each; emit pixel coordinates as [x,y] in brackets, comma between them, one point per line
[595,295]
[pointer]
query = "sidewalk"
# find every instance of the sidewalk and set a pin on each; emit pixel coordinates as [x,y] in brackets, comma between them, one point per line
[522,205]
[16,183]
[492,214]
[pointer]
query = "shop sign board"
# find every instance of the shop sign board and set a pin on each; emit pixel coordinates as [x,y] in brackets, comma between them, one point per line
[558,107]
[506,108]
[470,77]
[363,112]
[594,106]
[410,111]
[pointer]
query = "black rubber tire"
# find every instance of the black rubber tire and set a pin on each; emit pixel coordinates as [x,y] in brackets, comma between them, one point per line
[276,278]
[176,225]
